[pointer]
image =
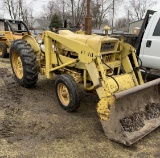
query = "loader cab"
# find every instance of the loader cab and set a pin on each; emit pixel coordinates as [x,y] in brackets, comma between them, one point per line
[149,51]
[15,26]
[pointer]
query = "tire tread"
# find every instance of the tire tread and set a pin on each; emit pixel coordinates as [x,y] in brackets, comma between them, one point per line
[28,58]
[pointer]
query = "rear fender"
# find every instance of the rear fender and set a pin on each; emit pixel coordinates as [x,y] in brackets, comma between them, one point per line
[31,40]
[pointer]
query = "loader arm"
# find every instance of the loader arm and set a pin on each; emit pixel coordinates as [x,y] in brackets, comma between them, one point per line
[85,53]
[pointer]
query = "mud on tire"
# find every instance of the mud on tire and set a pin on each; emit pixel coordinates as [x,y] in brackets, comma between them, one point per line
[23,63]
[3,50]
[66,92]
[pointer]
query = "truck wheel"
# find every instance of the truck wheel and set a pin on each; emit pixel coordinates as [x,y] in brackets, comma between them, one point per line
[3,50]
[66,92]
[23,63]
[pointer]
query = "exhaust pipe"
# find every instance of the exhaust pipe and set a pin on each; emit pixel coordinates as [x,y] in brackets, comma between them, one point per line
[88,20]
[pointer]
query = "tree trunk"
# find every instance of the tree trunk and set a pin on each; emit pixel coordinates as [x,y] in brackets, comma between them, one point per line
[72,3]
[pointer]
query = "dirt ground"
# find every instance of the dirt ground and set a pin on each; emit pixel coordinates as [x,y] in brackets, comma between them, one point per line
[32,124]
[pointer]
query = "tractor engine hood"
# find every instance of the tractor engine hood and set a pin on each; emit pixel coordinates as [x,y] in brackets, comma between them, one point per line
[96,42]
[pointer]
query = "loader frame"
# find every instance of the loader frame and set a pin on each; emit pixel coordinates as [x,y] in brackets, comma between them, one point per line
[88,60]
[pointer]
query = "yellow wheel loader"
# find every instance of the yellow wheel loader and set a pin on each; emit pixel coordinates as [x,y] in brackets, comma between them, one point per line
[128,108]
[10,30]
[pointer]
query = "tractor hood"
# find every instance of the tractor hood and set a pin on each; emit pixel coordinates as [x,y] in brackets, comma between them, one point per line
[94,41]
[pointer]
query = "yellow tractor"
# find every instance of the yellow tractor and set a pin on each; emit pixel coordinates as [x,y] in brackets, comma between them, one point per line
[10,30]
[128,108]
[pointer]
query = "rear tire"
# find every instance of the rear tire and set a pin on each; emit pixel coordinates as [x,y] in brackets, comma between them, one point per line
[23,63]
[3,50]
[66,92]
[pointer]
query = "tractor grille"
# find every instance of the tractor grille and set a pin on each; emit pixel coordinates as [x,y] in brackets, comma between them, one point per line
[107,46]
[107,58]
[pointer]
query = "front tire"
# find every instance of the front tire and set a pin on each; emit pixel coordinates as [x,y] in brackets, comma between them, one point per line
[3,50]
[66,92]
[23,63]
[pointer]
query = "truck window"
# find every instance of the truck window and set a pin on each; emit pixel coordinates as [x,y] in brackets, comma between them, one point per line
[157,29]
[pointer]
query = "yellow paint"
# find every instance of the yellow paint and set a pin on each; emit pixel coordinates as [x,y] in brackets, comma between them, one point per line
[31,40]
[125,82]
[85,52]
[103,107]
[17,65]
[80,32]
[63,94]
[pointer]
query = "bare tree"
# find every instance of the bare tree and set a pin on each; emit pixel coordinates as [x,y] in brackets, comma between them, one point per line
[138,8]
[48,10]
[18,9]
[63,9]
[55,7]
[122,22]
[12,7]
[80,11]
[72,4]
[101,9]
[71,10]
[75,10]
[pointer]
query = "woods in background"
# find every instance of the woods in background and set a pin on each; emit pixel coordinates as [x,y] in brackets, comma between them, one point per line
[74,11]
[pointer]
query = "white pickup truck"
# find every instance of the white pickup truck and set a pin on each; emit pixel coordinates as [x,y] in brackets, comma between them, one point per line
[149,48]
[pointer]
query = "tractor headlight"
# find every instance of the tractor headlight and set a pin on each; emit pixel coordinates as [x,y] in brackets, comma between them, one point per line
[40,41]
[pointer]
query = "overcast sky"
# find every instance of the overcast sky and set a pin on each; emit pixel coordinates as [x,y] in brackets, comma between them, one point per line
[38,4]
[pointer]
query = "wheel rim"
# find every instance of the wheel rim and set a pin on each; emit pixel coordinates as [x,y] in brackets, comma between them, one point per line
[17,65]
[63,94]
[0,51]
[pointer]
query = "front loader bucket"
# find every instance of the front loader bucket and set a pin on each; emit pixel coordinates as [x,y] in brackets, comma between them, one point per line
[135,113]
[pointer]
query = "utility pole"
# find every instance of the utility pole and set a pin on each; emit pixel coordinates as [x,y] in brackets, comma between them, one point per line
[88,20]
[113,17]
[72,3]
[128,21]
